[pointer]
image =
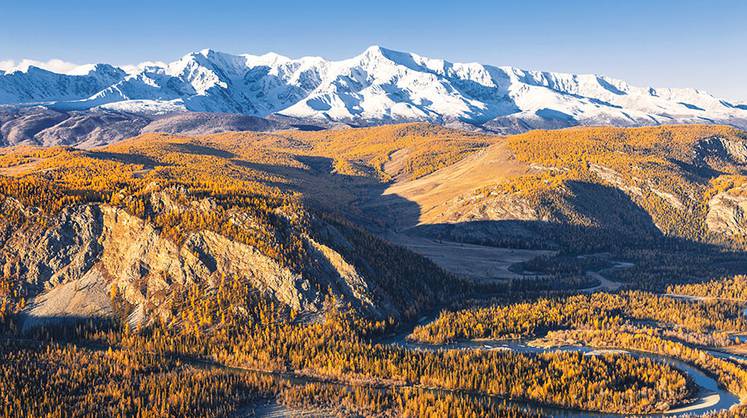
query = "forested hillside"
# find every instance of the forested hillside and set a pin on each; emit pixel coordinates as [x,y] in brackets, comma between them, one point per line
[290,265]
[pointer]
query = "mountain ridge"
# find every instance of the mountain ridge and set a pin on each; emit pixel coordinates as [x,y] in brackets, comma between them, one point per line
[378,86]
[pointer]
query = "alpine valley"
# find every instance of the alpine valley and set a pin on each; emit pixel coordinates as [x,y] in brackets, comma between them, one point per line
[384,236]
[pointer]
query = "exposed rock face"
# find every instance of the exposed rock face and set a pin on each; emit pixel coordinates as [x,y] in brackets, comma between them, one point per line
[727,213]
[71,264]
[86,297]
[737,150]
[345,276]
[721,148]
[491,205]
[60,252]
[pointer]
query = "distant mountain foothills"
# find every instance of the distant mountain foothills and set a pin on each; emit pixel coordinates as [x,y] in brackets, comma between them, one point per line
[48,127]
[100,104]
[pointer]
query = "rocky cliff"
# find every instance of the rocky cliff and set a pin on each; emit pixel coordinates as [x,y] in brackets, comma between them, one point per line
[727,213]
[82,261]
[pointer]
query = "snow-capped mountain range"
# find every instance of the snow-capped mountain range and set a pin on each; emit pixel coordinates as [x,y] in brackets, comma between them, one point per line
[377,86]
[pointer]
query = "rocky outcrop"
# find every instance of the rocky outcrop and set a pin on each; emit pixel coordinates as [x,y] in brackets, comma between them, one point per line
[493,205]
[56,250]
[71,263]
[82,298]
[724,149]
[727,213]
[345,278]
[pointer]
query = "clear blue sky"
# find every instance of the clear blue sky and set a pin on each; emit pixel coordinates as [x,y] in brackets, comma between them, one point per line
[674,43]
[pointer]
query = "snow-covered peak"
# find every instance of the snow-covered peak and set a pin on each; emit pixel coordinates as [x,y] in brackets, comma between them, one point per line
[376,54]
[268,59]
[206,52]
[375,51]
[378,85]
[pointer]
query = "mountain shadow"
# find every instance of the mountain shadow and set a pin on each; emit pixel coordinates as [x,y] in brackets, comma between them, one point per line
[589,217]
[594,219]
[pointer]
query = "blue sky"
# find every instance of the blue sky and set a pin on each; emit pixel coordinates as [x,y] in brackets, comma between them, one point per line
[675,43]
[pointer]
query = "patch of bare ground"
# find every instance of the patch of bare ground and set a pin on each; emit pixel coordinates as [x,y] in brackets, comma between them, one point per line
[274,409]
[473,261]
[20,169]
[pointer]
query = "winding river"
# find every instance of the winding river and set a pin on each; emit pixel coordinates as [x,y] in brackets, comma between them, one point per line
[709,398]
